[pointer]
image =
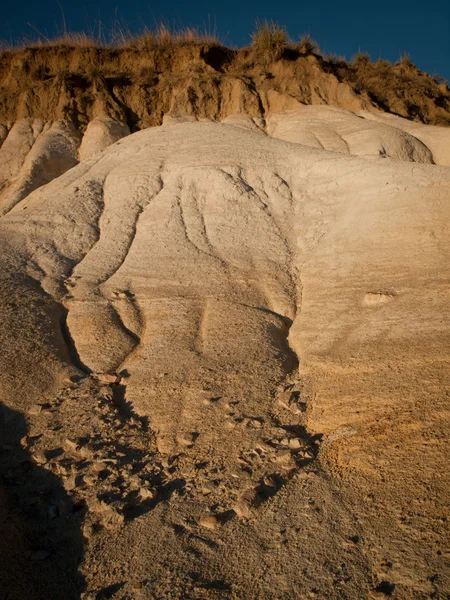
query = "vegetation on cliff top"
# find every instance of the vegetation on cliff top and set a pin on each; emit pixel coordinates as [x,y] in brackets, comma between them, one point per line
[157,61]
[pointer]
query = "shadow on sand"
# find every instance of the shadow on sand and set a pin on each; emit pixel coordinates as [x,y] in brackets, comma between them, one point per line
[41,543]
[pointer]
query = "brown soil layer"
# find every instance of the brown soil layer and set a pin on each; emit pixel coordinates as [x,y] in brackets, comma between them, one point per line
[139,86]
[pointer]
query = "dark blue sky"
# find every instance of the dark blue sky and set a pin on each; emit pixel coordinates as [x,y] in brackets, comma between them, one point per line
[385,30]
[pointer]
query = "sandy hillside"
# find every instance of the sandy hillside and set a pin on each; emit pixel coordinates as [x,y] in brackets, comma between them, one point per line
[224,365]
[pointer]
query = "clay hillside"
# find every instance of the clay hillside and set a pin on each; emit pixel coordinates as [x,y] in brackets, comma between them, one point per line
[224,325]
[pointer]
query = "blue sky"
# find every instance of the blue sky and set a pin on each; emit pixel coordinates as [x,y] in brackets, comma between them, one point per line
[385,30]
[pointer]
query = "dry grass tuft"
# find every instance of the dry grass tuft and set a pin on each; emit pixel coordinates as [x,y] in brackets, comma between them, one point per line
[383,64]
[38,73]
[307,45]
[144,42]
[96,74]
[361,58]
[63,77]
[268,40]
[194,36]
[335,59]
[162,37]
[119,37]
[438,78]
[67,40]
[405,61]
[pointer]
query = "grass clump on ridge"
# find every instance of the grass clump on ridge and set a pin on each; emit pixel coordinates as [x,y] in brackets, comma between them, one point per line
[64,40]
[268,40]
[307,45]
[383,64]
[119,37]
[405,61]
[163,37]
[361,58]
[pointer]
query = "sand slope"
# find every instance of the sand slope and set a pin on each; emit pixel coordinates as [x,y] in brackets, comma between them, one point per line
[276,318]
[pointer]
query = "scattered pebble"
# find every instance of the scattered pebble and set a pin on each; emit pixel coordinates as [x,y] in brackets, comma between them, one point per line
[283,457]
[209,522]
[71,445]
[242,509]
[146,493]
[39,458]
[40,555]
[107,378]
[207,489]
[295,443]
[187,439]
[109,465]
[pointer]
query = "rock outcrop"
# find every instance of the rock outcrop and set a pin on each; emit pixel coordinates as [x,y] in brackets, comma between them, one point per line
[272,314]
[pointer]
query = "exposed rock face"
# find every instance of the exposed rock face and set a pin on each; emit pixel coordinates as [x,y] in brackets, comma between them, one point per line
[101,133]
[437,139]
[60,105]
[341,131]
[34,152]
[272,314]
